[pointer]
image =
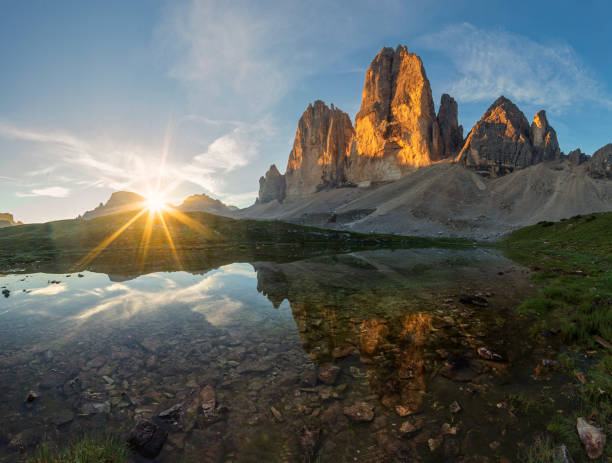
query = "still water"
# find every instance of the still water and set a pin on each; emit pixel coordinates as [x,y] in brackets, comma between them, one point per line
[368,356]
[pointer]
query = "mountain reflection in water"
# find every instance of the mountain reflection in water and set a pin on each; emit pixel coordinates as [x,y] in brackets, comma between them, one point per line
[368,356]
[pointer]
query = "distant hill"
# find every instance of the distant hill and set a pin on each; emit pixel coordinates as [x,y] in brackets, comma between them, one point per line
[204,203]
[7,220]
[120,201]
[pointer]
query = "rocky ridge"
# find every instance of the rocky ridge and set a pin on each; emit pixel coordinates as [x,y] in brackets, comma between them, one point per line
[204,203]
[7,220]
[120,201]
[397,131]
[502,141]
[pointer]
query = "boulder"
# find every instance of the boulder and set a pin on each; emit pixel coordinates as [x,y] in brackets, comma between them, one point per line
[147,438]
[318,158]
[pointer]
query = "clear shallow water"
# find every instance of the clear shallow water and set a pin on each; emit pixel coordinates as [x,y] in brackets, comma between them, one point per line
[102,353]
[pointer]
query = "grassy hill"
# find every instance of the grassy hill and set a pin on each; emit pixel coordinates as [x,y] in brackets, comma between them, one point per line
[199,241]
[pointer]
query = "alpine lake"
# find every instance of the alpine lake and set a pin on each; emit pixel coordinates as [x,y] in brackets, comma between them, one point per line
[366,356]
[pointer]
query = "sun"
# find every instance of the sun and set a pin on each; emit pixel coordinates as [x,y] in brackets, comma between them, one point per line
[155,202]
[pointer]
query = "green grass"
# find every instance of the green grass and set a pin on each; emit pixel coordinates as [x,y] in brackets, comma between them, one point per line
[573,264]
[86,450]
[202,241]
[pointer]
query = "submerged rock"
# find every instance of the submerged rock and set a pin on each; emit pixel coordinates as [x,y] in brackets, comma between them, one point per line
[361,411]
[488,354]
[32,396]
[592,437]
[147,438]
[328,374]
[309,438]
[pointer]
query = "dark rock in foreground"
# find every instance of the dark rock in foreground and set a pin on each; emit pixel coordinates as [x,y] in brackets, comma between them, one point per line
[147,438]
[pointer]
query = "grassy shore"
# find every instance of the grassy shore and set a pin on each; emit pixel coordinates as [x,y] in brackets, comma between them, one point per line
[200,241]
[573,264]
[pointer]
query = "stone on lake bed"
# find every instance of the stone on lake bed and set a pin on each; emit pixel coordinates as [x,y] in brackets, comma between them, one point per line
[343,351]
[276,414]
[209,401]
[309,438]
[147,438]
[32,396]
[328,374]
[411,425]
[361,411]
[62,417]
[454,407]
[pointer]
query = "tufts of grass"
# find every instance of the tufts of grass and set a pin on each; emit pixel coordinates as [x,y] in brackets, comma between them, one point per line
[86,450]
[573,261]
[541,451]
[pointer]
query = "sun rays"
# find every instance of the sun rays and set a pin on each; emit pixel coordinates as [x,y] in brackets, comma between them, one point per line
[157,211]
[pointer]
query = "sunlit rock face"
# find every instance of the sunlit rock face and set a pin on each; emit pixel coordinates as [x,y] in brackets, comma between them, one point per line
[320,149]
[600,164]
[120,201]
[271,186]
[450,130]
[396,128]
[544,139]
[503,141]
[7,220]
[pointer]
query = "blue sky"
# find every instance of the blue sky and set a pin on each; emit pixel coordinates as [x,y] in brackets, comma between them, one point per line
[100,96]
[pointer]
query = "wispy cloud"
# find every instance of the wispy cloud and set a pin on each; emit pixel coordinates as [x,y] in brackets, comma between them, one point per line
[51,192]
[97,165]
[495,62]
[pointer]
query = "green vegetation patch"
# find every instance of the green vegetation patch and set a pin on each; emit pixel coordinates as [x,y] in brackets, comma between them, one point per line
[86,450]
[573,264]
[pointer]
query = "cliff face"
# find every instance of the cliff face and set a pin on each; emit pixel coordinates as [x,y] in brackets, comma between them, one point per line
[320,150]
[544,138]
[600,164]
[450,130]
[503,141]
[7,220]
[272,186]
[397,131]
[396,128]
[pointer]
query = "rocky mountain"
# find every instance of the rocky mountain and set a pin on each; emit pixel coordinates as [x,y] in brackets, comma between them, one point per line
[450,130]
[320,150]
[396,128]
[204,203]
[600,164]
[120,201]
[7,220]
[397,131]
[272,186]
[577,157]
[502,141]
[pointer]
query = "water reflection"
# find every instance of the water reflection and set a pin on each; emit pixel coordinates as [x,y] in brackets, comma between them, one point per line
[355,357]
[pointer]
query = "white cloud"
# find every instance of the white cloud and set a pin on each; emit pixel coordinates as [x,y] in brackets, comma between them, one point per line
[51,192]
[491,63]
[105,165]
